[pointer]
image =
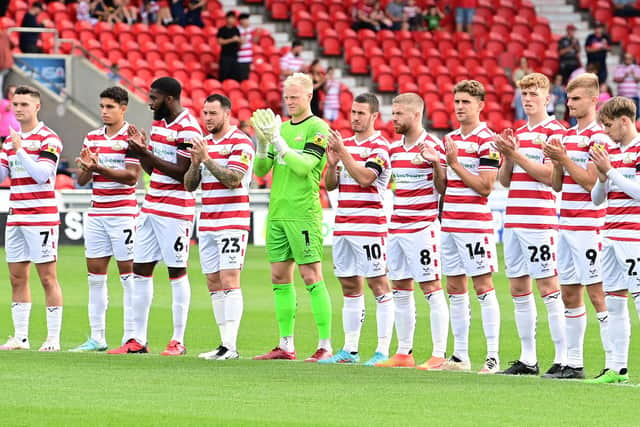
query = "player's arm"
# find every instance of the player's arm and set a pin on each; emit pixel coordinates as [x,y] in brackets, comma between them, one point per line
[607,174]
[505,144]
[436,156]
[149,161]
[127,176]
[363,175]
[4,166]
[332,176]
[193,176]
[264,150]
[554,150]
[230,176]
[481,183]
[42,169]
[541,172]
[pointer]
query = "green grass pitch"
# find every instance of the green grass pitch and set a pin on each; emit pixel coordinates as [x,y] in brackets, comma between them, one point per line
[98,389]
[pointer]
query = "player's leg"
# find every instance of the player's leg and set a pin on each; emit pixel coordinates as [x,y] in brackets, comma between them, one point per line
[385,313]
[439,322]
[481,262]
[348,267]
[175,238]
[284,292]
[305,239]
[98,252]
[618,277]
[18,261]
[459,308]
[525,313]
[43,247]
[123,236]
[146,253]
[20,305]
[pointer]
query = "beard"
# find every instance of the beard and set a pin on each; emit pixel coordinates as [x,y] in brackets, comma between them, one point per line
[215,128]
[161,112]
[401,129]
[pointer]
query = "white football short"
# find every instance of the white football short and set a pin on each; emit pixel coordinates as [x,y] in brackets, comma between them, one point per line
[470,254]
[620,265]
[222,250]
[579,257]
[106,236]
[34,243]
[530,253]
[415,255]
[159,238]
[359,256]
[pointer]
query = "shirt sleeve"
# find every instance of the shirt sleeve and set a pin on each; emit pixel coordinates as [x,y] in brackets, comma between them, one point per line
[378,160]
[316,143]
[489,157]
[186,134]
[242,154]
[50,150]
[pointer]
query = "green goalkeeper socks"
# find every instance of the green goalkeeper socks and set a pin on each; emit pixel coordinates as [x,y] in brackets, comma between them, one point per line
[285,298]
[321,308]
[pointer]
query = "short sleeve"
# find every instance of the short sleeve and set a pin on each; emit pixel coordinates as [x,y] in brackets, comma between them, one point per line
[489,157]
[378,159]
[242,154]
[190,131]
[50,149]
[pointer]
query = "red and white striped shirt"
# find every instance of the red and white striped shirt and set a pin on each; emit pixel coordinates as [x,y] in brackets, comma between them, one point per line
[530,203]
[623,211]
[464,210]
[415,200]
[360,210]
[332,97]
[291,62]
[111,198]
[30,203]
[166,196]
[226,208]
[245,53]
[577,211]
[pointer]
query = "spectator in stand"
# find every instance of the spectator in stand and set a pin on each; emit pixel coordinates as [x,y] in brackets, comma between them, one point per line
[292,61]
[332,96]
[433,17]
[395,12]
[83,11]
[178,12]
[598,45]
[464,14]
[318,76]
[517,75]
[362,16]
[29,41]
[164,13]
[627,76]
[194,12]
[625,8]
[381,18]
[591,68]
[229,40]
[105,10]
[413,15]
[126,12]
[605,95]
[149,12]
[248,37]
[568,51]
[7,116]
[559,97]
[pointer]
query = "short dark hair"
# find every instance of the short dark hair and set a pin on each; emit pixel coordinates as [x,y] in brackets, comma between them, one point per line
[116,93]
[168,86]
[223,100]
[27,90]
[243,16]
[38,5]
[230,14]
[368,98]
[297,43]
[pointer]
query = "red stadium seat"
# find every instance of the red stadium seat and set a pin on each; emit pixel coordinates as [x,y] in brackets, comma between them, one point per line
[386,83]
[359,65]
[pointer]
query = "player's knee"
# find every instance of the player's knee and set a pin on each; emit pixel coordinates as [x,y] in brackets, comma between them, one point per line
[571,298]
[49,283]
[379,285]
[432,286]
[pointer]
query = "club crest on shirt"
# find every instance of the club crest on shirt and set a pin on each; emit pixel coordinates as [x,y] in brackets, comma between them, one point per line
[628,159]
[225,152]
[365,153]
[298,138]
[118,146]
[418,159]
[172,137]
[471,148]
[245,158]
[33,146]
[584,141]
[538,140]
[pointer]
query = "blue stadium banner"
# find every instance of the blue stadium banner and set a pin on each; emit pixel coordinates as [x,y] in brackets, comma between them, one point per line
[51,71]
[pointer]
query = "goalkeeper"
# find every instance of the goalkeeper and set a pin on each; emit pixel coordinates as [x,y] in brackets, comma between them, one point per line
[296,152]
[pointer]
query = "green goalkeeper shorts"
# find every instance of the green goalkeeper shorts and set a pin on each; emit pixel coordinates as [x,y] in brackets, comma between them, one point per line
[297,240]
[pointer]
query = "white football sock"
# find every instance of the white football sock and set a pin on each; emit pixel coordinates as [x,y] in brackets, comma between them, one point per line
[385,310]
[217,303]
[490,322]
[233,307]
[142,297]
[286,344]
[439,319]
[619,330]
[98,302]
[181,292]
[54,323]
[128,315]
[557,326]
[526,317]
[460,319]
[405,319]
[576,324]
[603,320]
[352,319]
[20,312]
